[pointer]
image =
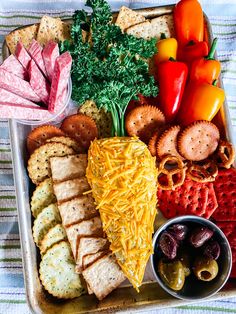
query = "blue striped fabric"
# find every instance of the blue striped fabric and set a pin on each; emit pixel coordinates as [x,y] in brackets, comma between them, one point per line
[14,13]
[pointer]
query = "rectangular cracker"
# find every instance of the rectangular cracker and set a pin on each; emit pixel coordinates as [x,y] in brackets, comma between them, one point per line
[103,276]
[86,227]
[89,259]
[68,167]
[154,28]
[52,29]
[25,35]
[127,18]
[78,209]
[69,189]
[88,245]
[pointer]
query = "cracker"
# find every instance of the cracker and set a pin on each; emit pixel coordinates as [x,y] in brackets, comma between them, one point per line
[212,203]
[225,189]
[39,165]
[104,276]
[88,245]
[153,28]
[42,197]
[47,219]
[152,144]
[86,227]
[68,167]
[57,272]
[229,229]
[143,121]
[65,140]
[198,141]
[69,189]
[89,259]
[25,35]
[102,118]
[167,143]
[39,135]
[53,236]
[78,209]
[128,17]
[52,29]
[82,128]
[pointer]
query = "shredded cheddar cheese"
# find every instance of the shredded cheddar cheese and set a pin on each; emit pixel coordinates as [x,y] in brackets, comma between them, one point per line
[122,175]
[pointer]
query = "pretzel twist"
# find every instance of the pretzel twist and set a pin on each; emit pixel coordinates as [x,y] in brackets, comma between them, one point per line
[205,172]
[225,154]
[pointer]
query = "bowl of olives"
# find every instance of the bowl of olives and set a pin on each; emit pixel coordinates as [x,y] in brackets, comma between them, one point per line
[192,258]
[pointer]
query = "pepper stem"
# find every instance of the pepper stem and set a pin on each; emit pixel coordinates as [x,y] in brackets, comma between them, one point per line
[212,50]
[163,36]
[215,82]
[172,59]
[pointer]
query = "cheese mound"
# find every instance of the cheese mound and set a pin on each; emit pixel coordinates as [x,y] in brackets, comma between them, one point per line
[122,174]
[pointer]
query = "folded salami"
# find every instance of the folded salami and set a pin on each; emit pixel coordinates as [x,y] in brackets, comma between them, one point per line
[35,51]
[11,64]
[13,112]
[9,99]
[22,55]
[50,54]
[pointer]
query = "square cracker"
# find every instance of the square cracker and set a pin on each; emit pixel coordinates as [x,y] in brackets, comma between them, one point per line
[52,29]
[128,17]
[25,35]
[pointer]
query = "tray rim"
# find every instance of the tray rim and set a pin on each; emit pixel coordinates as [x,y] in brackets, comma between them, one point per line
[25,241]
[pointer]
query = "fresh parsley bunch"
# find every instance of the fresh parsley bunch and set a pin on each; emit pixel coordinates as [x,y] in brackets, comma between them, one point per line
[110,67]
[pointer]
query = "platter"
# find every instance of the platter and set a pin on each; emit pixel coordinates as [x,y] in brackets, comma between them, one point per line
[151,296]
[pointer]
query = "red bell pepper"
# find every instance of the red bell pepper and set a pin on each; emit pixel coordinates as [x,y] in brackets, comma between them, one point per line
[171,77]
[193,51]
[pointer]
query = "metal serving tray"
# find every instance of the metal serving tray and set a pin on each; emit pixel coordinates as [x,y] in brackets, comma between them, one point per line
[124,299]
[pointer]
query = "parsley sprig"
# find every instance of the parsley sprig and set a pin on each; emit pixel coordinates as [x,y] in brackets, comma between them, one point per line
[110,68]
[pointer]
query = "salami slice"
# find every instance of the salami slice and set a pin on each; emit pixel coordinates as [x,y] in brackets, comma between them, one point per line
[38,82]
[11,64]
[16,85]
[12,112]
[59,82]
[50,54]
[9,99]
[35,51]
[22,55]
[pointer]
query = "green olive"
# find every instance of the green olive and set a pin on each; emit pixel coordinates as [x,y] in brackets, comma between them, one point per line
[184,258]
[205,269]
[172,274]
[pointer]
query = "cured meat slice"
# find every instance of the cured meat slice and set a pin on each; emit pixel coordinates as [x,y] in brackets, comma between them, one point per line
[22,55]
[8,98]
[16,85]
[38,82]
[60,81]
[13,112]
[35,51]
[11,64]
[50,54]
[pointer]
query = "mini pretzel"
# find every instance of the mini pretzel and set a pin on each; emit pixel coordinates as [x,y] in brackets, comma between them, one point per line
[176,169]
[225,154]
[206,172]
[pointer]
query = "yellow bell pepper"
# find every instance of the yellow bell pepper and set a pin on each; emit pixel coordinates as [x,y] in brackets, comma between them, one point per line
[166,49]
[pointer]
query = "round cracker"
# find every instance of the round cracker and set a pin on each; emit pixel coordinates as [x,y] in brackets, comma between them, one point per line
[198,141]
[39,135]
[102,118]
[82,128]
[143,121]
[39,161]
[167,143]
[67,141]
[57,272]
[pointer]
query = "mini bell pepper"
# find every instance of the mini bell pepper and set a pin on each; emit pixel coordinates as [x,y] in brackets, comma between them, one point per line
[166,49]
[188,21]
[171,77]
[206,70]
[200,102]
[192,51]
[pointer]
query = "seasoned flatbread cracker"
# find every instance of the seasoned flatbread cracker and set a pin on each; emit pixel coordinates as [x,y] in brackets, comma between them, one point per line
[51,28]
[57,272]
[154,28]
[67,141]
[128,17]
[53,236]
[48,218]
[89,259]
[42,197]
[24,34]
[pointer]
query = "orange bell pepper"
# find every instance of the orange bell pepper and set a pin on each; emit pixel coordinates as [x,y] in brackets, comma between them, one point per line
[188,21]
[166,49]
[206,70]
[200,102]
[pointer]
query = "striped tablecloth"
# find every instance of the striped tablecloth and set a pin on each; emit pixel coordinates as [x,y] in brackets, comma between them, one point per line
[14,13]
